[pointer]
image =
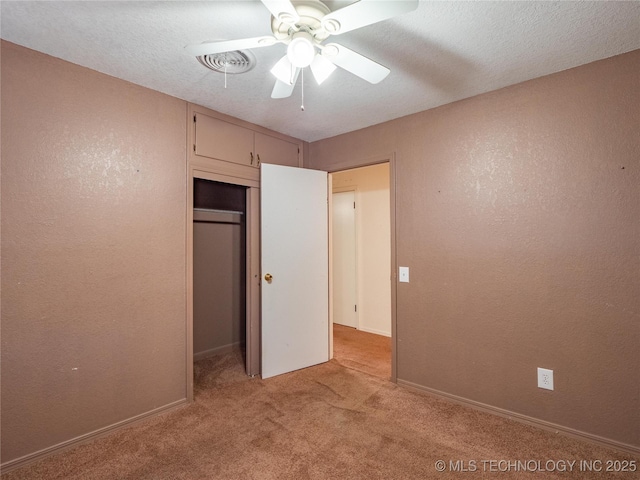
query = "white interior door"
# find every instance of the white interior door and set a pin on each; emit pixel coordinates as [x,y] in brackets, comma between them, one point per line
[344,259]
[295,302]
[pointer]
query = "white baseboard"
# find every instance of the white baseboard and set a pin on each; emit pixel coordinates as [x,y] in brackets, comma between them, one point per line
[518,417]
[87,437]
[216,351]
[377,332]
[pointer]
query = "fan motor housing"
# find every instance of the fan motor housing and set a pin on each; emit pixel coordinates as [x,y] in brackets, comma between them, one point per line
[311,13]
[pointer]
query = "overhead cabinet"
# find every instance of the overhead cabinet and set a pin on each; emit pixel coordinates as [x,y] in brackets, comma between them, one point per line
[221,140]
[274,150]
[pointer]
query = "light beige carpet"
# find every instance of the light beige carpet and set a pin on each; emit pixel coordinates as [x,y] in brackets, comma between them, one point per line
[362,351]
[323,422]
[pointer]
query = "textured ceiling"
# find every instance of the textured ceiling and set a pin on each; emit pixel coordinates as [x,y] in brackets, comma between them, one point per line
[440,53]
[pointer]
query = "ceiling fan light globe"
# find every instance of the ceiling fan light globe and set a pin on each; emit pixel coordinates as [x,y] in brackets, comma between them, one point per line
[301,50]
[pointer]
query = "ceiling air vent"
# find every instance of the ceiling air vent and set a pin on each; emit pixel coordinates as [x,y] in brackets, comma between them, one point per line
[238,61]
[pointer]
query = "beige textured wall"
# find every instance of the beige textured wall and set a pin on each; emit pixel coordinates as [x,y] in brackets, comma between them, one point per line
[373,238]
[93,251]
[518,212]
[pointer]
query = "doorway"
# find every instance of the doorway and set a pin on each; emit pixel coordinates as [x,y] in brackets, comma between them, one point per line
[252,255]
[362,267]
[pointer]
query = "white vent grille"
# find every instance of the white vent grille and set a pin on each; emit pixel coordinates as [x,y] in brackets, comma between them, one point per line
[238,61]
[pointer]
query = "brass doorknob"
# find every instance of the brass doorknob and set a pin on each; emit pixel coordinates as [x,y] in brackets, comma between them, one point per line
[268,277]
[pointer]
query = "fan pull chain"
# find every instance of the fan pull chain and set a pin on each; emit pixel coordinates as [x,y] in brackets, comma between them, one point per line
[302,82]
[225,70]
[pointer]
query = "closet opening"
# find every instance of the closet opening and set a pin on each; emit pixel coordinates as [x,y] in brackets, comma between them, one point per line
[219,270]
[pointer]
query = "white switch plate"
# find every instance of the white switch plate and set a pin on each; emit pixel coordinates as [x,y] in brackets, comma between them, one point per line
[545,378]
[404,274]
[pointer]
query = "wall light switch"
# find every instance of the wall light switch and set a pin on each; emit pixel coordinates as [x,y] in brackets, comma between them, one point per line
[404,275]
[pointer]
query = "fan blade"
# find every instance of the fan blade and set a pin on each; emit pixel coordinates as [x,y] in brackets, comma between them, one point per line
[355,63]
[283,10]
[209,48]
[284,90]
[284,70]
[363,13]
[321,68]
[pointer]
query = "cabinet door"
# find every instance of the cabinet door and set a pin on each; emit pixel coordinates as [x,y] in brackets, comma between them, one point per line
[224,141]
[276,151]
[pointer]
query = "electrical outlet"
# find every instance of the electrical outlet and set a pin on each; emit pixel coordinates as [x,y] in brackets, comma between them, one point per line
[545,378]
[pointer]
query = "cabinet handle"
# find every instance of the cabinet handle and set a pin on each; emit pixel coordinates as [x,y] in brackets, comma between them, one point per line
[251,153]
[258,160]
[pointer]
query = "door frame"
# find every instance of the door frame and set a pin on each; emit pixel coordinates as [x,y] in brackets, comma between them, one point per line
[389,158]
[252,252]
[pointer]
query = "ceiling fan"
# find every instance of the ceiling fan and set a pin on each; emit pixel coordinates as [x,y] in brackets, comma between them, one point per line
[303,25]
